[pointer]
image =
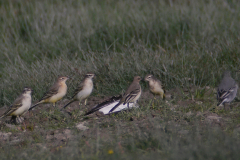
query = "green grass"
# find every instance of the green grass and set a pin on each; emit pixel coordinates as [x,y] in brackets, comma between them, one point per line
[183,43]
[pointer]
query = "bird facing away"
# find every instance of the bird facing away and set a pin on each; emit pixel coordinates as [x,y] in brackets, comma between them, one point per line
[20,105]
[227,90]
[155,86]
[55,93]
[132,94]
[83,91]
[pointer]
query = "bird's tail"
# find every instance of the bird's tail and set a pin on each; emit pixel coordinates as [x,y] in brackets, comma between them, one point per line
[219,103]
[35,105]
[68,104]
[2,116]
[115,107]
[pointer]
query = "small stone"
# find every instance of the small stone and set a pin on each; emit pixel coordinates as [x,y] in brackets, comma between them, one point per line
[81,126]
[189,113]
[212,118]
[199,102]
[11,126]
[207,87]
[5,136]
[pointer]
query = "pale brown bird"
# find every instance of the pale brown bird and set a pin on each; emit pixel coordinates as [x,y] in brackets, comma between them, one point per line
[155,86]
[83,91]
[20,105]
[55,93]
[132,94]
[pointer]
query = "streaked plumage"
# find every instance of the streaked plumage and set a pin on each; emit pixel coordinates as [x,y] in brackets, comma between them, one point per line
[83,91]
[132,94]
[55,93]
[227,89]
[155,86]
[20,105]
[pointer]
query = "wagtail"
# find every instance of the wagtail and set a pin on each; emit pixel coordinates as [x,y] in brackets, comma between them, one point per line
[55,93]
[20,105]
[83,91]
[155,86]
[132,94]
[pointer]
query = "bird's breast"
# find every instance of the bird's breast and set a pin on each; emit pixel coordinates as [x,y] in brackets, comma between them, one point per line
[61,93]
[26,103]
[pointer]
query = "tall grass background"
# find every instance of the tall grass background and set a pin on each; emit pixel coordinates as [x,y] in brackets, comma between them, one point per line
[174,40]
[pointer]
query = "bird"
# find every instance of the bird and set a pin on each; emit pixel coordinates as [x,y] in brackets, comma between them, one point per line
[132,94]
[20,105]
[155,85]
[227,90]
[83,91]
[55,93]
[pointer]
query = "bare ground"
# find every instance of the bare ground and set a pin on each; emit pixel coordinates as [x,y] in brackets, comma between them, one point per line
[48,128]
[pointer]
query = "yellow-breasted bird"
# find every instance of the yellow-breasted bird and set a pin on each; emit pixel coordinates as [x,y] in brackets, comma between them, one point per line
[55,93]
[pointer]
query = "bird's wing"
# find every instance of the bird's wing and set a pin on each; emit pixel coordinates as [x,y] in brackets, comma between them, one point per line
[78,89]
[16,104]
[52,91]
[224,94]
[131,93]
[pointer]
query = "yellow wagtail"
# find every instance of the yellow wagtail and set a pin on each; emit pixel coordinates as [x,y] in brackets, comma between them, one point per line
[155,86]
[132,94]
[83,91]
[55,93]
[20,105]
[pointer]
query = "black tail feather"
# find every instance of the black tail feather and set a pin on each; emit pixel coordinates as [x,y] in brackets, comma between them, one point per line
[35,105]
[67,104]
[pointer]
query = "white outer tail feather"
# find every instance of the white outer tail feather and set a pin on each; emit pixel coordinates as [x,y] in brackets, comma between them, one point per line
[105,110]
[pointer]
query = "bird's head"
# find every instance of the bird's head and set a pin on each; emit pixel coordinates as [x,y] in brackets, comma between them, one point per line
[148,77]
[62,79]
[89,75]
[137,79]
[27,90]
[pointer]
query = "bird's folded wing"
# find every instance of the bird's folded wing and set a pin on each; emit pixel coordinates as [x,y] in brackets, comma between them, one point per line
[16,104]
[52,91]
[78,89]
[130,96]
[222,94]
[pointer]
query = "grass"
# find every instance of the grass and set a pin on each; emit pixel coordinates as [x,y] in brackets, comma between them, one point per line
[183,43]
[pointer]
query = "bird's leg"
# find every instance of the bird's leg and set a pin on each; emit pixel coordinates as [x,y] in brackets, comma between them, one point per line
[18,120]
[54,104]
[128,105]
[79,103]
[25,127]
[85,102]
[154,97]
